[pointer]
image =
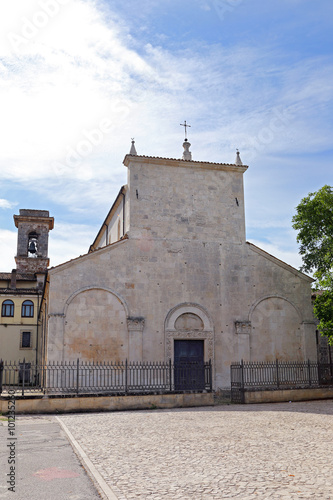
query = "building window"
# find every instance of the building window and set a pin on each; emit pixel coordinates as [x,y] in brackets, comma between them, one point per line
[7,309]
[25,340]
[27,309]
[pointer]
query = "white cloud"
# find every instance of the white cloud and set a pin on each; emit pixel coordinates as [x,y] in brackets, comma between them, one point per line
[62,87]
[68,241]
[6,203]
[83,68]
[8,243]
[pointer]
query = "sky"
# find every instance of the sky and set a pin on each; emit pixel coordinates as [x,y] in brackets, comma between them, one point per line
[80,78]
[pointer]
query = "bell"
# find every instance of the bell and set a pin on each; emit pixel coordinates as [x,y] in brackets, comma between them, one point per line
[32,247]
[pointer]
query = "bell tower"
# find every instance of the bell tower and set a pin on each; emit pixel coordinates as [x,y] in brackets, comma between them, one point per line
[32,240]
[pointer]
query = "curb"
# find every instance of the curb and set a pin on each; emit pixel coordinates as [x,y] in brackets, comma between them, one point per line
[101,485]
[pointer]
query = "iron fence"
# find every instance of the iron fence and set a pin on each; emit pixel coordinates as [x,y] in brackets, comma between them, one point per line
[278,375]
[77,377]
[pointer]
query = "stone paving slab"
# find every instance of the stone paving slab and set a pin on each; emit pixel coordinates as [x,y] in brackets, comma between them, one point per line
[271,451]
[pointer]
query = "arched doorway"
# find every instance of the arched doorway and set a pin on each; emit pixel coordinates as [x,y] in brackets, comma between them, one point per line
[189,342]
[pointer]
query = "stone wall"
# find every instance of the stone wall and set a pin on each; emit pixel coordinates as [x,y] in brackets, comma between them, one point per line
[288,395]
[46,404]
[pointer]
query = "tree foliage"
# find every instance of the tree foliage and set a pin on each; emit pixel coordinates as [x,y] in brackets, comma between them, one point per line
[314,223]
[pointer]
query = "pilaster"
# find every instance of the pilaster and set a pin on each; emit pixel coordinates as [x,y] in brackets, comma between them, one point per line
[135,327]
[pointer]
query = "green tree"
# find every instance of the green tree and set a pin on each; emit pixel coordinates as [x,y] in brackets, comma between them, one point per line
[314,223]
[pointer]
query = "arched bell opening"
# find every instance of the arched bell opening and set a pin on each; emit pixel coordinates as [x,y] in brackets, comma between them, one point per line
[33,244]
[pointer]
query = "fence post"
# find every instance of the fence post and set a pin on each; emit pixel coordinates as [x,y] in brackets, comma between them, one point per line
[309,371]
[77,376]
[23,377]
[126,376]
[242,374]
[210,376]
[170,375]
[43,377]
[36,375]
[1,374]
[242,390]
[277,373]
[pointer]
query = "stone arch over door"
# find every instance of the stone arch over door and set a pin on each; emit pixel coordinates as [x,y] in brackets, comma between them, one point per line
[276,330]
[95,326]
[189,321]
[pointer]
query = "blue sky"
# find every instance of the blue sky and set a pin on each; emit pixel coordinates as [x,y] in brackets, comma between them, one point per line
[79,78]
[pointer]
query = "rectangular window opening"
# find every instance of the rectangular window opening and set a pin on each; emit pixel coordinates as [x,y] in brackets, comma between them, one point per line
[25,340]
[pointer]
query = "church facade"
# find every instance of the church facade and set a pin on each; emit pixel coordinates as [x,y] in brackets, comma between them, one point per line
[171,276]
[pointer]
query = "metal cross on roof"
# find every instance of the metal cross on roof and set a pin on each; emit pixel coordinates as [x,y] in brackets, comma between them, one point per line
[185,125]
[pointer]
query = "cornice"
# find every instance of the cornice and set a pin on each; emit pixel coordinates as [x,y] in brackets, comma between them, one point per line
[173,162]
[34,220]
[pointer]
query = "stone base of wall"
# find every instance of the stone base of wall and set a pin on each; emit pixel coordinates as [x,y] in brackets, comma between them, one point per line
[66,404]
[284,395]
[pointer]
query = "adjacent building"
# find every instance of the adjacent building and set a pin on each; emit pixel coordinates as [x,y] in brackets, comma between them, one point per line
[21,290]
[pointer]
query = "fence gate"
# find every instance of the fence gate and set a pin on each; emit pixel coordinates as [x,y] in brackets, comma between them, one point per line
[237,383]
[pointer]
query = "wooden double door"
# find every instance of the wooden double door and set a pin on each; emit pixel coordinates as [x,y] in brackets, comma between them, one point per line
[189,365]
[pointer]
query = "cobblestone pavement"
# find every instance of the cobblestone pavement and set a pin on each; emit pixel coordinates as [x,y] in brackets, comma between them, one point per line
[271,451]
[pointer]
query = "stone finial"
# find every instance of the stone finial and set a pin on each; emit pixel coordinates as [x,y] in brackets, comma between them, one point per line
[187,155]
[133,150]
[238,160]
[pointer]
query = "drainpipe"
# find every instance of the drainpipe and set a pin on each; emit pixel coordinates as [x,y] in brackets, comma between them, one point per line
[37,326]
[37,337]
[39,318]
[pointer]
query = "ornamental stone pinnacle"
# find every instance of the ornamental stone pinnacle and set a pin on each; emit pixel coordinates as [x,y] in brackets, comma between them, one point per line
[133,150]
[238,160]
[187,155]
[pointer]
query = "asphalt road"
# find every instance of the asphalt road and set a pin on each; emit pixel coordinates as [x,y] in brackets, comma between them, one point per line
[44,464]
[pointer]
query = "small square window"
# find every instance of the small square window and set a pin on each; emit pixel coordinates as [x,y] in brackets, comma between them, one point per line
[25,340]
